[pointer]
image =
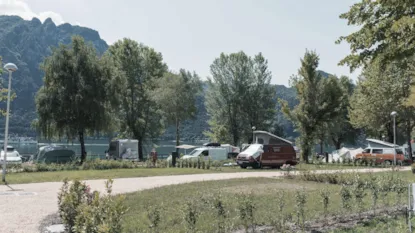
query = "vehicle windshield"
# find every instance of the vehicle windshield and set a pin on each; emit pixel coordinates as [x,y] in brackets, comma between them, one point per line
[252,149]
[196,152]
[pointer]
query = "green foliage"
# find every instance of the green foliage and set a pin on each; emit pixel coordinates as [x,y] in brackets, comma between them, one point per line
[176,95]
[101,214]
[140,67]
[190,215]
[319,101]
[84,211]
[70,198]
[300,201]
[325,200]
[367,110]
[154,214]
[386,32]
[246,210]
[74,98]
[239,97]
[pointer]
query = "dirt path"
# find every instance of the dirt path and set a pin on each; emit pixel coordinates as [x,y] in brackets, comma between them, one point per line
[23,206]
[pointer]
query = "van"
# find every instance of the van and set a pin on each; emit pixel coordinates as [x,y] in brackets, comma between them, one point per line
[206,153]
[268,151]
[381,156]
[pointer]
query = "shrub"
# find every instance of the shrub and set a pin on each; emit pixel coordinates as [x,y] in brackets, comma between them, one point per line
[70,198]
[154,216]
[346,195]
[413,168]
[83,211]
[325,200]
[220,213]
[190,215]
[246,211]
[300,201]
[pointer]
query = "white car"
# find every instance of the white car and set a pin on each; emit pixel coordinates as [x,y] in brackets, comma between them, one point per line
[13,156]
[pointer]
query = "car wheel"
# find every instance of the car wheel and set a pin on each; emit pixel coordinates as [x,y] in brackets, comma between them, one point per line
[243,167]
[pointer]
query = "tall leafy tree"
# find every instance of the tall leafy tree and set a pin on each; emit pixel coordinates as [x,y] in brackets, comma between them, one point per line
[339,129]
[386,31]
[140,66]
[240,96]
[319,100]
[176,95]
[383,89]
[74,98]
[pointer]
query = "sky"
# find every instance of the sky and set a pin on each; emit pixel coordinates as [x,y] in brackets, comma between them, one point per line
[191,34]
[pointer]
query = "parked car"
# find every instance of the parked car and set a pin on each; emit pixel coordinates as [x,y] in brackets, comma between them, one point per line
[268,151]
[381,156]
[13,156]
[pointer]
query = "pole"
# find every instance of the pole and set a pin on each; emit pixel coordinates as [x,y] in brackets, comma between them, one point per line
[7,129]
[409,208]
[394,141]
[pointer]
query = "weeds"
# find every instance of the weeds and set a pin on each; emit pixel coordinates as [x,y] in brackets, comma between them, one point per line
[154,216]
[190,215]
[300,201]
[325,200]
[246,209]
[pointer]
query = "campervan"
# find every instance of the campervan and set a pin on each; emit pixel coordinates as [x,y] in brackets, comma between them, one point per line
[268,151]
[123,149]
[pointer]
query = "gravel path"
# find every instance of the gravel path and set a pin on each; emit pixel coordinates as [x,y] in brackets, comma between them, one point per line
[23,206]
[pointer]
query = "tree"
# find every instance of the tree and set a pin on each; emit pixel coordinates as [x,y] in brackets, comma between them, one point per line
[239,97]
[74,98]
[387,32]
[319,100]
[176,95]
[339,129]
[141,66]
[383,89]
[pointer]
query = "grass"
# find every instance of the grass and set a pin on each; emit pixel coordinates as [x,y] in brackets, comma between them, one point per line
[380,225]
[172,200]
[36,177]
[53,176]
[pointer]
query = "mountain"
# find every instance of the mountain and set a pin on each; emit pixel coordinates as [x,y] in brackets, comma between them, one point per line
[27,43]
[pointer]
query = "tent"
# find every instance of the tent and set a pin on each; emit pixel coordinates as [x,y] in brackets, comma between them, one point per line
[344,153]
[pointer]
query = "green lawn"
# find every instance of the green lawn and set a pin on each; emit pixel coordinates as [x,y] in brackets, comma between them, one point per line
[171,201]
[36,177]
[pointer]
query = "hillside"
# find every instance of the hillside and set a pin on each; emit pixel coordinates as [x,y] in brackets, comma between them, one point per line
[27,43]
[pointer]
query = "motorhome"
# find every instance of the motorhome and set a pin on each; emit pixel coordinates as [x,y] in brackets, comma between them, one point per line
[268,150]
[123,149]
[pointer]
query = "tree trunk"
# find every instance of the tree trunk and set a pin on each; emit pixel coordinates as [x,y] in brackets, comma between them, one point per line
[177,135]
[409,138]
[140,149]
[82,142]
[305,150]
[338,145]
[321,146]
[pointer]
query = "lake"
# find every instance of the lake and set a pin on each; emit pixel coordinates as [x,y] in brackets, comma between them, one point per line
[96,148]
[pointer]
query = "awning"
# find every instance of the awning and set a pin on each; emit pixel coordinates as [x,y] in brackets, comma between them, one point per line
[186,147]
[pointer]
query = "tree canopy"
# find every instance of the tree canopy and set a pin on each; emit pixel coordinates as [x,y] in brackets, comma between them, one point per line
[74,98]
[140,66]
[239,97]
[176,95]
[386,31]
[319,101]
